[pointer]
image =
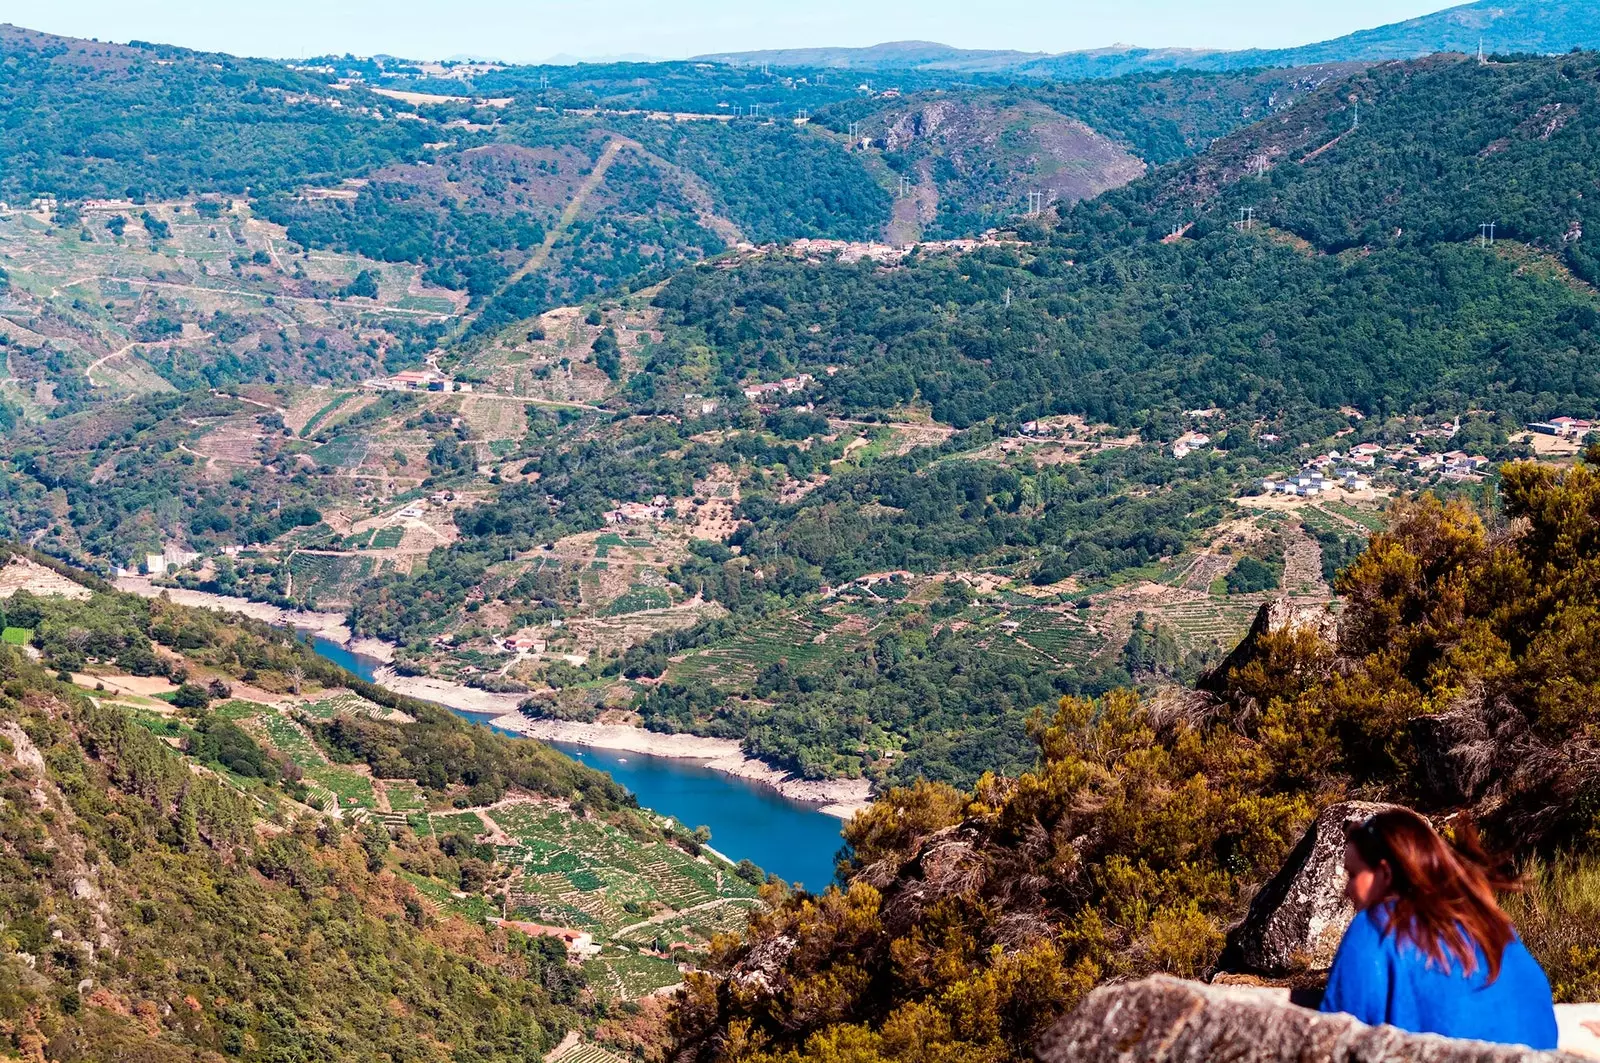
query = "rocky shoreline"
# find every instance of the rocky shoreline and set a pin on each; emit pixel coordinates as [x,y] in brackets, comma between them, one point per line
[842,798]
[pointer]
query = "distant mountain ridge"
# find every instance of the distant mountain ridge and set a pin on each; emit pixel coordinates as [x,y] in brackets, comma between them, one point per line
[1517,26]
[894,55]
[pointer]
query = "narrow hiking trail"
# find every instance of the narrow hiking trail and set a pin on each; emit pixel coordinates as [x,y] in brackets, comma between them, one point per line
[88,373]
[541,255]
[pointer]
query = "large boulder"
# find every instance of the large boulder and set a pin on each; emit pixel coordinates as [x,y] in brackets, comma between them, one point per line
[1165,1020]
[1280,614]
[1296,921]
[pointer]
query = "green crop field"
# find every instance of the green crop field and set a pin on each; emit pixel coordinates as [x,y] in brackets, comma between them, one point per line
[387,538]
[637,599]
[405,796]
[16,636]
[1369,519]
[239,710]
[338,400]
[345,452]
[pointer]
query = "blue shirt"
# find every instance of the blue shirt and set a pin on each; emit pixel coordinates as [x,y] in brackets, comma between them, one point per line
[1379,978]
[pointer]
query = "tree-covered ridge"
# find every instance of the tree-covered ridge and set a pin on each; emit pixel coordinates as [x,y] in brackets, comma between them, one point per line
[150,637]
[968,922]
[1245,321]
[776,181]
[1443,146]
[86,119]
[1161,117]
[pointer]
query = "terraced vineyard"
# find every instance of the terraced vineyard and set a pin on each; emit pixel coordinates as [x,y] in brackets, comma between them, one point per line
[345,452]
[1210,622]
[1064,636]
[326,780]
[587,1053]
[630,975]
[327,577]
[345,702]
[794,639]
[594,877]
[325,412]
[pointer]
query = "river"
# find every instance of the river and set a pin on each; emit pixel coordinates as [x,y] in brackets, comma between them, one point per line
[748,821]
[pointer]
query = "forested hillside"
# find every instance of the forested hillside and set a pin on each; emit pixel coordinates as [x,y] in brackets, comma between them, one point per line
[1401,155]
[158,908]
[86,119]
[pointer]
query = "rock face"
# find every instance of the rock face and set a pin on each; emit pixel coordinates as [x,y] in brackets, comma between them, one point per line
[1296,921]
[1280,614]
[1164,1020]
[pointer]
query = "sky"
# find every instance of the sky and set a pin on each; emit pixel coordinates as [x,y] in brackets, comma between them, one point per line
[534,30]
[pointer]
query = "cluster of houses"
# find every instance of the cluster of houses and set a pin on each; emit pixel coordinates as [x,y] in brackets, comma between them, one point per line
[1352,470]
[1188,443]
[170,559]
[418,380]
[38,205]
[1307,483]
[639,512]
[523,644]
[697,405]
[787,386]
[1565,427]
[1409,459]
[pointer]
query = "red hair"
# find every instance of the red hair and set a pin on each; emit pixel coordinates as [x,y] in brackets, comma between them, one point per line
[1443,893]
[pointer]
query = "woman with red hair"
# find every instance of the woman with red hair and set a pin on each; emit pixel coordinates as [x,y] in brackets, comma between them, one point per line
[1429,950]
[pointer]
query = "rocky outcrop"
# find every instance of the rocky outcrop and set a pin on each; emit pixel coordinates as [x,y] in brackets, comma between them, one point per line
[765,969]
[1297,919]
[1165,1020]
[1280,614]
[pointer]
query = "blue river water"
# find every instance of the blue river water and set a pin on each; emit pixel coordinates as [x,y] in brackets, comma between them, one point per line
[748,822]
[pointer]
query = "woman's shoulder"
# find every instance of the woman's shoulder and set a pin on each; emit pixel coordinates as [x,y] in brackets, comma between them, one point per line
[1370,926]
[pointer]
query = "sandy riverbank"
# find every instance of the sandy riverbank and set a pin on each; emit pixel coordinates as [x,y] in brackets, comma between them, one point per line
[839,797]
[330,626]
[455,695]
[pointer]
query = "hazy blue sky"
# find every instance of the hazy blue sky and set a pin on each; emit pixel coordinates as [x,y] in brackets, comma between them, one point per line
[527,30]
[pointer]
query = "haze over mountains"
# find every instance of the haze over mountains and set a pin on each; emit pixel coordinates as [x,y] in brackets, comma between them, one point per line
[1518,26]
